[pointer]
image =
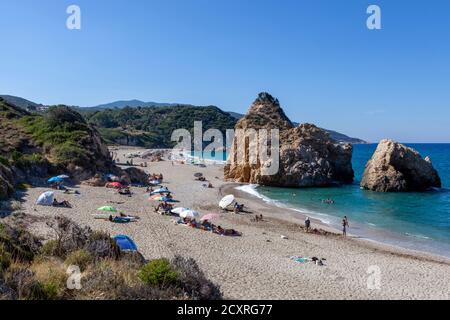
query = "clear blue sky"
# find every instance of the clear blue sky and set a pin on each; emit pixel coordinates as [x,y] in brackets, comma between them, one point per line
[317,57]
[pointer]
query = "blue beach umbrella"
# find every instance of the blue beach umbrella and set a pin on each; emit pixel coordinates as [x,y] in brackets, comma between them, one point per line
[125,243]
[55,179]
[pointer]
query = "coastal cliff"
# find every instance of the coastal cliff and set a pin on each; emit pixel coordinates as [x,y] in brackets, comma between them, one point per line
[308,157]
[396,168]
[34,146]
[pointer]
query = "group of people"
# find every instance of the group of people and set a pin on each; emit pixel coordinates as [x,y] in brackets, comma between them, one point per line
[208,226]
[156,177]
[345,225]
[164,208]
[328,201]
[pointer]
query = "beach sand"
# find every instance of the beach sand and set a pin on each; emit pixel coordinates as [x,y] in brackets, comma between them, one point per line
[256,265]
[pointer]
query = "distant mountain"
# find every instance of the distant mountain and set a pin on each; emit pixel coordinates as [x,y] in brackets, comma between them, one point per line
[22,103]
[340,137]
[133,104]
[121,104]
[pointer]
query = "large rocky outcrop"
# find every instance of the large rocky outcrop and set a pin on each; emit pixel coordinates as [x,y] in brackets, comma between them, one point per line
[395,168]
[38,145]
[308,157]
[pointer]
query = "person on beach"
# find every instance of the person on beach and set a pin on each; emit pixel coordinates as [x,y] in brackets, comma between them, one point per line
[345,225]
[307,224]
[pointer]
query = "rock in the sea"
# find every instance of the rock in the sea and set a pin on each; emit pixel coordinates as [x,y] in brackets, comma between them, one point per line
[308,157]
[396,168]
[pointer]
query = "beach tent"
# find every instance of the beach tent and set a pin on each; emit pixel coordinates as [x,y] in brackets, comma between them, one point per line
[226,201]
[55,179]
[46,199]
[107,209]
[189,214]
[125,243]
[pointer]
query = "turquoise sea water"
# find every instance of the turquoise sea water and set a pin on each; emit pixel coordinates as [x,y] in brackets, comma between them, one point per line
[413,220]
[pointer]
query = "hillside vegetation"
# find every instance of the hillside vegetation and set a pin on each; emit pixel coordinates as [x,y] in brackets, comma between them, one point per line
[31,270]
[35,145]
[152,127]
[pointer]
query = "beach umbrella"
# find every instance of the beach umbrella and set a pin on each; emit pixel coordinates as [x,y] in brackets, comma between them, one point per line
[116,184]
[160,190]
[189,214]
[107,209]
[167,199]
[55,179]
[125,243]
[198,175]
[226,201]
[63,176]
[179,210]
[155,182]
[210,217]
[46,199]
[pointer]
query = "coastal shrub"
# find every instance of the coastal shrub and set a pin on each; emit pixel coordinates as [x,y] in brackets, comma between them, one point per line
[159,273]
[111,277]
[100,245]
[4,161]
[50,248]
[51,276]
[80,258]
[21,244]
[69,236]
[28,160]
[5,258]
[192,280]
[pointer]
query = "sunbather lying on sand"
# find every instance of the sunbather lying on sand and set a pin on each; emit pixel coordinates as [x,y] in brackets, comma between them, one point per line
[68,191]
[226,232]
[63,204]
[119,219]
[238,207]
[124,191]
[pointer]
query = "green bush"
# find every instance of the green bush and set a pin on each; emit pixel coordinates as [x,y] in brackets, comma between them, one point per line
[4,161]
[158,272]
[5,258]
[80,258]
[50,248]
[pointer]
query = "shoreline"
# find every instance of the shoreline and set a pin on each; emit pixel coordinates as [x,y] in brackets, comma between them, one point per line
[296,216]
[258,265]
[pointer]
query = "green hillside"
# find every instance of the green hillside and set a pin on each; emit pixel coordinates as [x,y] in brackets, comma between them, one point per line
[152,127]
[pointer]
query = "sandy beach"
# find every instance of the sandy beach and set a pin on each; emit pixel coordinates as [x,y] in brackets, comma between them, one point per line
[256,265]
